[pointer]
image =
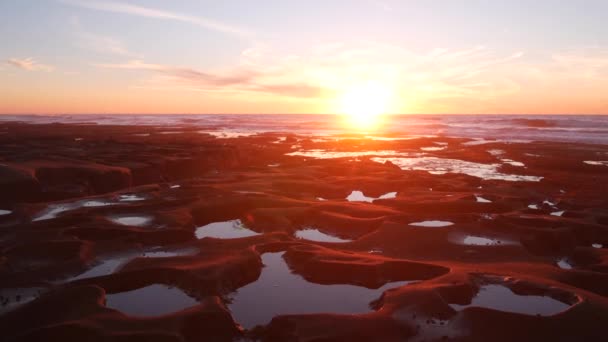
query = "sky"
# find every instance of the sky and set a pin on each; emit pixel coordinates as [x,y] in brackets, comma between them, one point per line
[277,56]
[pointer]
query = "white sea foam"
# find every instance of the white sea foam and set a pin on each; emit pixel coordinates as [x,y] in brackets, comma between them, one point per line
[324,154]
[444,165]
[228,134]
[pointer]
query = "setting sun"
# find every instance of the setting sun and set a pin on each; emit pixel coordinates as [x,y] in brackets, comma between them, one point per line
[364,104]
[379,170]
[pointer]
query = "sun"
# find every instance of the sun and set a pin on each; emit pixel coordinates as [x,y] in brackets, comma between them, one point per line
[364,104]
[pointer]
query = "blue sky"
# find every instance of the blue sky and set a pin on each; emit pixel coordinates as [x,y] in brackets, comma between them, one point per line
[300,56]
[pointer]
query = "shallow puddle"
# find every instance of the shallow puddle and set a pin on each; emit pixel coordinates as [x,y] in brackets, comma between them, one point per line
[482,200]
[95,204]
[159,253]
[478,241]
[499,297]
[558,213]
[471,240]
[513,162]
[131,198]
[358,196]
[596,162]
[12,298]
[54,210]
[233,229]
[105,267]
[153,300]
[110,265]
[564,264]
[312,234]
[278,291]
[133,220]
[432,223]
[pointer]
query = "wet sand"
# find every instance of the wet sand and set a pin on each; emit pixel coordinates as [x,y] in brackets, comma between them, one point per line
[131,233]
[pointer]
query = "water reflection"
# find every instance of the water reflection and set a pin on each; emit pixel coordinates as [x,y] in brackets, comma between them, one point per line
[153,300]
[132,220]
[313,234]
[131,198]
[232,229]
[112,264]
[432,223]
[564,264]
[53,210]
[482,200]
[358,196]
[325,154]
[12,298]
[499,297]
[280,292]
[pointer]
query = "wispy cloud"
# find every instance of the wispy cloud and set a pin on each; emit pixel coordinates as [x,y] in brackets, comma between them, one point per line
[239,80]
[141,11]
[591,63]
[329,69]
[418,77]
[100,43]
[105,44]
[475,79]
[28,64]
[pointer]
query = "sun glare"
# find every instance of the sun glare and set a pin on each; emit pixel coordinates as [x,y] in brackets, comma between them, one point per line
[364,104]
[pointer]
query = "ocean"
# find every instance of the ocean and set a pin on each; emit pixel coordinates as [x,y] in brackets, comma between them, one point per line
[591,129]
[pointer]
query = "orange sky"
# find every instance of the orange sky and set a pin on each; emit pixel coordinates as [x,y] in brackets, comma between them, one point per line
[97,56]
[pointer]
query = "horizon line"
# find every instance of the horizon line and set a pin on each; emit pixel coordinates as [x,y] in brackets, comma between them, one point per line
[336,114]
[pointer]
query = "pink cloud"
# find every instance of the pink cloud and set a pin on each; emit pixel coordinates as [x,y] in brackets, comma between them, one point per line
[28,64]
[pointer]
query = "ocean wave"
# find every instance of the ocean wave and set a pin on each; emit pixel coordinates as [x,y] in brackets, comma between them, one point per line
[534,122]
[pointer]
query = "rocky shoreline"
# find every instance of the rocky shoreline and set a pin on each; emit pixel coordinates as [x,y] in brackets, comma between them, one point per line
[125,202]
